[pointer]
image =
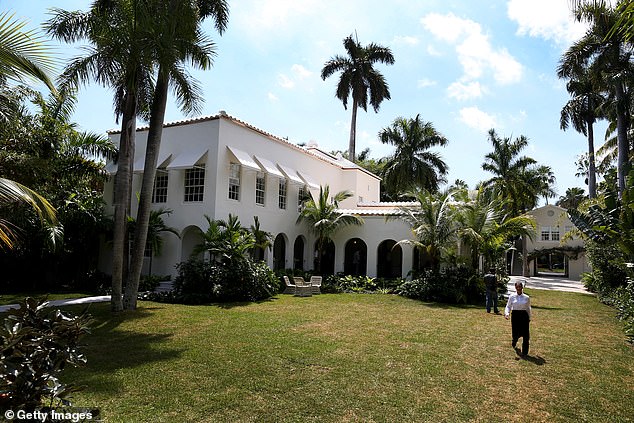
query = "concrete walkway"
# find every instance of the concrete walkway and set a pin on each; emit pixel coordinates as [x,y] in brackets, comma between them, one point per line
[56,303]
[553,284]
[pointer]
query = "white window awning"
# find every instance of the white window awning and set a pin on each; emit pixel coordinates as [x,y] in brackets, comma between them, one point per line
[308,180]
[139,165]
[269,167]
[244,158]
[187,159]
[291,174]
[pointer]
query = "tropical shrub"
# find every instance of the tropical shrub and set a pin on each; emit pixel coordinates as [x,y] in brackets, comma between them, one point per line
[201,282]
[360,284]
[451,285]
[37,343]
[608,267]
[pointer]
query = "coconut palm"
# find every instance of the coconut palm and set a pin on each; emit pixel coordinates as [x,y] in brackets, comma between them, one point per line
[509,169]
[263,240]
[581,112]
[226,240]
[433,224]
[486,230]
[607,55]
[573,197]
[324,218]
[175,38]
[358,79]
[412,165]
[116,58]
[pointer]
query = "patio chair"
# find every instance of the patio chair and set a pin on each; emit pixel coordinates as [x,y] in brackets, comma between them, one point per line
[315,282]
[303,288]
[290,288]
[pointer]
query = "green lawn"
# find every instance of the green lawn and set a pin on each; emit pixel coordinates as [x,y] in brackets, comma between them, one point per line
[351,358]
[6,299]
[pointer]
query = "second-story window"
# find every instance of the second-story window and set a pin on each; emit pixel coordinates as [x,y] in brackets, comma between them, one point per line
[260,188]
[194,184]
[282,196]
[234,181]
[159,193]
[302,196]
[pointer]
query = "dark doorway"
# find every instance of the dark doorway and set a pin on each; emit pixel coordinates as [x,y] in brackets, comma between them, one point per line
[298,253]
[356,257]
[279,253]
[327,266]
[389,260]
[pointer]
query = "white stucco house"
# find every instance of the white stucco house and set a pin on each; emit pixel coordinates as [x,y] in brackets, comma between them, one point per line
[553,251]
[219,165]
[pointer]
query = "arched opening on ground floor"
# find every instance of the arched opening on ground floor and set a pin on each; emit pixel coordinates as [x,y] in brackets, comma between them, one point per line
[389,260]
[191,237]
[298,253]
[279,252]
[551,264]
[325,266]
[356,257]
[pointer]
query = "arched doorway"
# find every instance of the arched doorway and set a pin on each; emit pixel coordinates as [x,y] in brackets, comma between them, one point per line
[389,260]
[279,252]
[356,257]
[327,265]
[191,237]
[551,264]
[298,253]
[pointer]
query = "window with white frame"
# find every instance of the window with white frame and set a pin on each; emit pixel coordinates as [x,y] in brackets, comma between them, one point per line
[260,188]
[234,181]
[194,184]
[550,233]
[545,233]
[282,194]
[302,196]
[159,193]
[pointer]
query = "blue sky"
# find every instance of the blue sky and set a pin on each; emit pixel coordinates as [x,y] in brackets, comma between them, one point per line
[465,66]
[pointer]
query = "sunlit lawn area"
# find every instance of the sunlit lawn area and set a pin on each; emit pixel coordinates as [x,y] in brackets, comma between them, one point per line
[364,358]
[6,299]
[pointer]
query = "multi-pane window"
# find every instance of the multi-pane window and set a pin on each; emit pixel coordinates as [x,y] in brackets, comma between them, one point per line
[302,196]
[260,188]
[550,233]
[234,181]
[194,184]
[159,193]
[282,195]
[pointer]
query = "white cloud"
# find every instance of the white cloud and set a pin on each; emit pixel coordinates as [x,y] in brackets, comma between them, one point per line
[477,119]
[285,82]
[425,82]
[301,72]
[406,39]
[272,97]
[474,49]
[431,50]
[461,91]
[547,19]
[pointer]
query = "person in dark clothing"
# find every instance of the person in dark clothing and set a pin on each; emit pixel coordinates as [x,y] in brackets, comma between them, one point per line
[491,283]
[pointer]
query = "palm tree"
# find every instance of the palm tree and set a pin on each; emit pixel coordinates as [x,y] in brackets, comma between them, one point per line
[486,230]
[263,240]
[175,38]
[412,165]
[358,78]
[226,240]
[433,224]
[324,219]
[581,112]
[606,55]
[573,197]
[117,58]
[510,173]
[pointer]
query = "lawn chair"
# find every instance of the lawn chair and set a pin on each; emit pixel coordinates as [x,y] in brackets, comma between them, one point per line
[303,288]
[315,282]
[290,288]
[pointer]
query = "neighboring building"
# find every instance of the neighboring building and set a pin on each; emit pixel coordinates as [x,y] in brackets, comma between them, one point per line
[552,251]
[219,165]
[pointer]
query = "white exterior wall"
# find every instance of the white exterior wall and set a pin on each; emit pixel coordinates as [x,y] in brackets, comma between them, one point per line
[554,216]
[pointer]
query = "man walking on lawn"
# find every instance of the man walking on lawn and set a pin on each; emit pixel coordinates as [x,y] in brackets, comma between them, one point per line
[491,283]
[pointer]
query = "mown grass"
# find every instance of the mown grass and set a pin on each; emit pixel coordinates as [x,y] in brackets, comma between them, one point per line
[350,358]
[6,299]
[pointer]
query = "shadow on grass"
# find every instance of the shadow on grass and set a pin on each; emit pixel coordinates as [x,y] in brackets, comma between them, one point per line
[540,361]
[546,308]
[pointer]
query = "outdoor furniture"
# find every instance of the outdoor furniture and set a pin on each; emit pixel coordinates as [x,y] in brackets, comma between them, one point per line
[290,288]
[315,283]
[302,288]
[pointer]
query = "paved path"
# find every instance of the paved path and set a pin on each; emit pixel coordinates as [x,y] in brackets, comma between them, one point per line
[55,303]
[553,284]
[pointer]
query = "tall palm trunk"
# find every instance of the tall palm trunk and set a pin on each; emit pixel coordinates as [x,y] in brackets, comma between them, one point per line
[353,131]
[153,146]
[122,193]
[621,134]
[592,168]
